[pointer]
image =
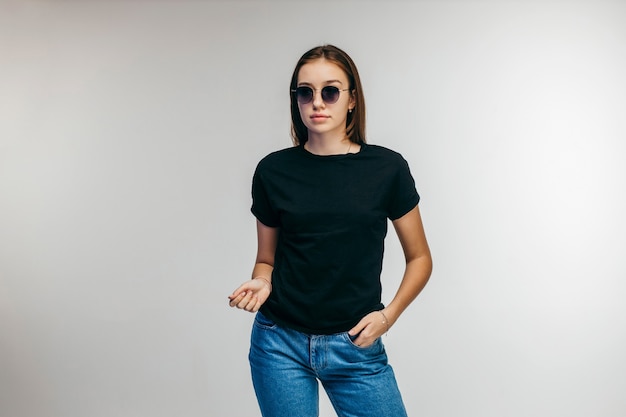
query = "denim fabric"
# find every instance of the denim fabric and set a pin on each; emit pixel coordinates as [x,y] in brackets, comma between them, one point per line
[287,364]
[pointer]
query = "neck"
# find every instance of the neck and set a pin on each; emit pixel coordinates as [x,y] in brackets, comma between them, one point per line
[330,147]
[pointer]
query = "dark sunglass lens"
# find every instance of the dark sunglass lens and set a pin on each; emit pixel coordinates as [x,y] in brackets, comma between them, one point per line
[304,95]
[330,94]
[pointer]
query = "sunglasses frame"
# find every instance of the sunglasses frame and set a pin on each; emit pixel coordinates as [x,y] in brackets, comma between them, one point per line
[315,90]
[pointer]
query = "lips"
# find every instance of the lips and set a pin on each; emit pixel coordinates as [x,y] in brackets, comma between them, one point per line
[319,117]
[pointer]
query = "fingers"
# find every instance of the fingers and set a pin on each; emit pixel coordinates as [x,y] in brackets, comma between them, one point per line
[256,306]
[368,330]
[247,298]
[238,293]
[237,296]
[250,303]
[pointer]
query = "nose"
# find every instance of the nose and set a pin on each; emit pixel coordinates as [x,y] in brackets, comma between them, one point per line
[317,99]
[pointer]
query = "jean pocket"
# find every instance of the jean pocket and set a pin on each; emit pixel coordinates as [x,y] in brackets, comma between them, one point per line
[263,322]
[373,347]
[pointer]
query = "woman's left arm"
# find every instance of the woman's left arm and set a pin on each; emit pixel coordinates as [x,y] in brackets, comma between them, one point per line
[418,268]
[419,263]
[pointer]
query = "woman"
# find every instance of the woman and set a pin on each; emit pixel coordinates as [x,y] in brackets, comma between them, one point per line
[322,208]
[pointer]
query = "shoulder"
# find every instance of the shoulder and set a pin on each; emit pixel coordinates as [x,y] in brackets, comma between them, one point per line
[384,154]
[279,157]
[286,153]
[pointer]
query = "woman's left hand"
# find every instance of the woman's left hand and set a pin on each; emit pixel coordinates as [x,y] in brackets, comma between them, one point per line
[370,328]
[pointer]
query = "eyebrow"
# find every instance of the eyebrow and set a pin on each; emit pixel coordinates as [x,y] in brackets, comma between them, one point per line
[325,82]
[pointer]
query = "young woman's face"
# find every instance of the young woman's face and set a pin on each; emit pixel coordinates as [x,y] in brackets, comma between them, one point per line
[320,117]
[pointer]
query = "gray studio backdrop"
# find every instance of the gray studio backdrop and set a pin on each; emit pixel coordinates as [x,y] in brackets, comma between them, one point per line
[129,132]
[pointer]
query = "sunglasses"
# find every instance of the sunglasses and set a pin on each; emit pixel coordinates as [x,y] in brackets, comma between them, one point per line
[330,94]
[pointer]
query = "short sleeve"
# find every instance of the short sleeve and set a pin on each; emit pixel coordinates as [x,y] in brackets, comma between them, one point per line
[404,196]
[261,204]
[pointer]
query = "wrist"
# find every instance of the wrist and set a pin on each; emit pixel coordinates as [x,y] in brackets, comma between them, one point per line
[391,314]
[385,320]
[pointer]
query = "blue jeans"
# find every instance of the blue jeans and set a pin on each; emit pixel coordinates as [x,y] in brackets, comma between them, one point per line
[287,364]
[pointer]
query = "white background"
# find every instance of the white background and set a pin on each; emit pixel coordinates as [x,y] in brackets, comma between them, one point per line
[129,131]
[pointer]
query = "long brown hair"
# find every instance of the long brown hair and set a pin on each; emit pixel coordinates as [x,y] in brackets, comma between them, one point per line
[355,123]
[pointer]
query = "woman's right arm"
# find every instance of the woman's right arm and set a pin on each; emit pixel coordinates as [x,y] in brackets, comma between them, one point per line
[251,295]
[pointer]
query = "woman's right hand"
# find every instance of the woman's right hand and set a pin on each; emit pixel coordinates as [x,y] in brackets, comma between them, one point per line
[251,295]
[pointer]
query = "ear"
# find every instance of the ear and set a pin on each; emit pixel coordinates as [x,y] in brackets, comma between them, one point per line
[352,103]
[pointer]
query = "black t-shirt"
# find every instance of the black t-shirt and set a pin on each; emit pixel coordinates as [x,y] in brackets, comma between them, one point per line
[332,214]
